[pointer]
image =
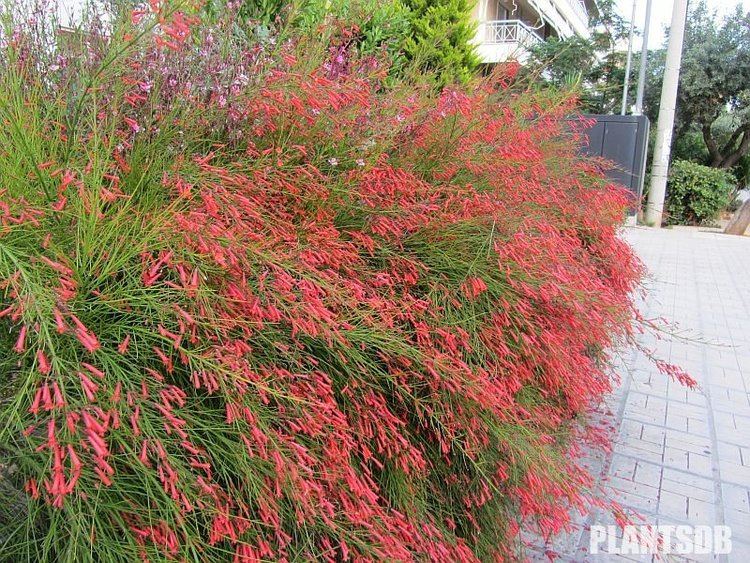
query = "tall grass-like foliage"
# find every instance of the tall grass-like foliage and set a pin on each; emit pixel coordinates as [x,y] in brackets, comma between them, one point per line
[255,306]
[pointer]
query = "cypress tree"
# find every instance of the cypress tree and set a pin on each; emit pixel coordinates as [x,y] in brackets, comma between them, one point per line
[441,38]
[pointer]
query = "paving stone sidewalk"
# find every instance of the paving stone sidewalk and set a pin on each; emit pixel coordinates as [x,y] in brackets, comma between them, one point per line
[681,456]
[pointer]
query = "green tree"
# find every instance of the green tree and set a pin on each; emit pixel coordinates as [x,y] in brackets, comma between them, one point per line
[440,38]
[384,27]
[422,35]
[713,102]
[714,90]
[263,12]
[595,64]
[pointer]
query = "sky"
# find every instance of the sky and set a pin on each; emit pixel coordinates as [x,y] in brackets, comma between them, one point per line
[661,16]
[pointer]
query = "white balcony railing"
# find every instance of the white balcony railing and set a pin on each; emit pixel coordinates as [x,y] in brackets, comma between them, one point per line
[567,17]
[510,31]
[579,7]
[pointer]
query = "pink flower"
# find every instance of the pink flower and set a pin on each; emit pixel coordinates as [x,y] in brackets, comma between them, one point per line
[133,124]
[20,346]
[42,363]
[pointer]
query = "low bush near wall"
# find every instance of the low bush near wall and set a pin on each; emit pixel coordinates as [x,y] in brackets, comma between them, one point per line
[255,308]
[696,194]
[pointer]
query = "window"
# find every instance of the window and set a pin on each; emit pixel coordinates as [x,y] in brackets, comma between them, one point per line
[503,11]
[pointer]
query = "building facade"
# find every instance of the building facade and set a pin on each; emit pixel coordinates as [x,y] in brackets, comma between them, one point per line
[506,29]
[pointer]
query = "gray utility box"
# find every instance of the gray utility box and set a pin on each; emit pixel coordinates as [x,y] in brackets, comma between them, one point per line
[623,141]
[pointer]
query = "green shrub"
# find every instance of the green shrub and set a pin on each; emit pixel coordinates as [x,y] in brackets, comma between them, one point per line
[696,193]
[440,40]
[255,306]
[386,26]
[431,39]
[691,146]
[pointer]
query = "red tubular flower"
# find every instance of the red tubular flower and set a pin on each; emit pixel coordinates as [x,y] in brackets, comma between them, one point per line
[89,387]
[474,287]
[59,322]
[42,362]
[20,346]
[87,338]
[358,298]
[32,489]
[76,467]
[93,370]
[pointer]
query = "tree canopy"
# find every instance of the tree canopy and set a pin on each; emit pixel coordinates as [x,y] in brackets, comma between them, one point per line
[595,64]
[713,105]
[432,35]
[714,93]
[440,38]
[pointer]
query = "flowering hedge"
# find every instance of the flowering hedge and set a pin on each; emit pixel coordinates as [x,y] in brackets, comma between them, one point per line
[256,307]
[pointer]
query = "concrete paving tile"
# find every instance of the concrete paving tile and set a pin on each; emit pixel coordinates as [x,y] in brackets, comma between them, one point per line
[736,497]
[674,457]
[694,481]
[648,473]
[701,513]
[734,473]
[677,422]
[739,522]
[673,505]
[682,488]
[622,466]
[634,487]
[689,442]
[699,464]
[740,552]
[682,456]
[636,502]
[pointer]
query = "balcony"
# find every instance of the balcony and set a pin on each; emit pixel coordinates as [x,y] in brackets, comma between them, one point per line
[567,17]
[579,7]
[505,39]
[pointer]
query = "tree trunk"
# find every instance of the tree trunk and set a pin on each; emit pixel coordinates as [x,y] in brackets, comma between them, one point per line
[734,157]
[727,156]
[713,149]
[740,220]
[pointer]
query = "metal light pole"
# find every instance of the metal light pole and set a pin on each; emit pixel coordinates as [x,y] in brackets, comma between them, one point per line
[644,62]
[623,110]
[665,125]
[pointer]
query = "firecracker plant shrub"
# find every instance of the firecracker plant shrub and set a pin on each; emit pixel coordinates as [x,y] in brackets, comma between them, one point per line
[257,306]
